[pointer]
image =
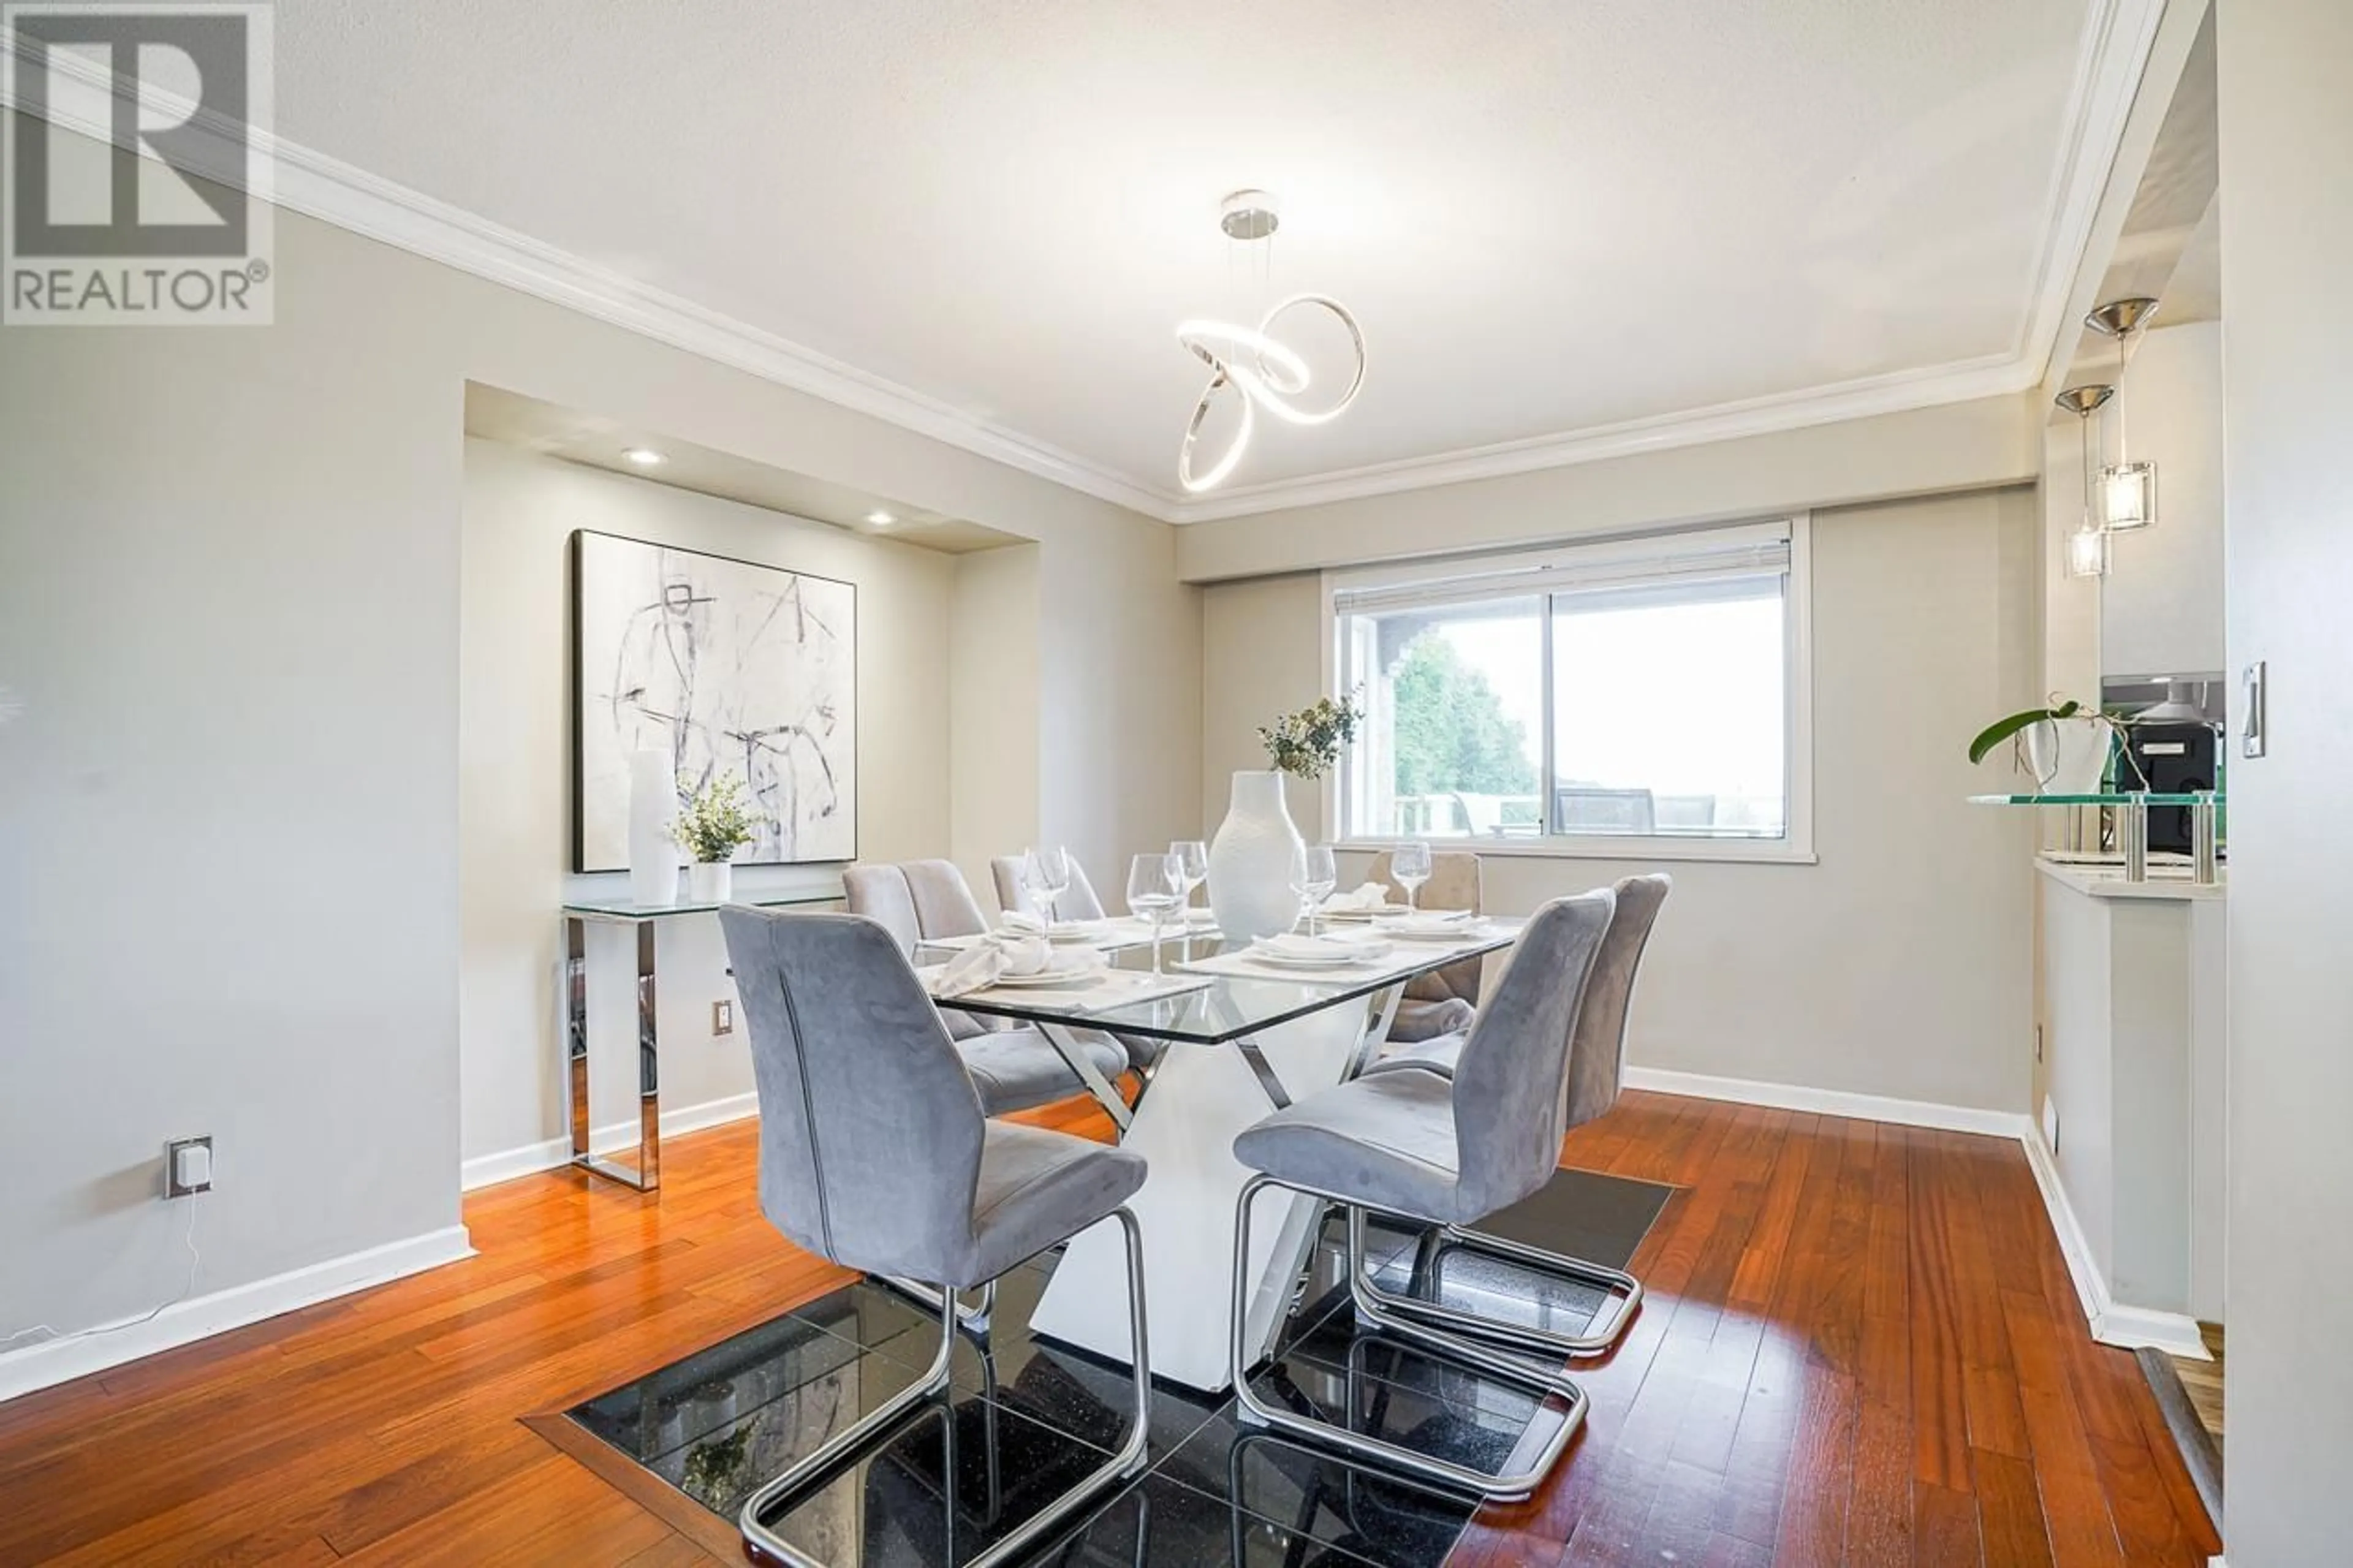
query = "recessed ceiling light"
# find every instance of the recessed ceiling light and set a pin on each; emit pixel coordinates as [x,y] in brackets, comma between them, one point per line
[880,518]
[644,456]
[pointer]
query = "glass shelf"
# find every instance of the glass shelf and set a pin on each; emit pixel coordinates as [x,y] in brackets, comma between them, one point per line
[626,910]
[2129,799]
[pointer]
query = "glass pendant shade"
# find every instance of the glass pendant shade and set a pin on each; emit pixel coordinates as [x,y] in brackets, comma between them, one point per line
[2129,495]
[2087,552]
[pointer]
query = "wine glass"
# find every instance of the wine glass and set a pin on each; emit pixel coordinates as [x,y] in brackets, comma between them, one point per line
[1156,885]
[1314,873]
[1410,868]
[1192,863]
[1047,869]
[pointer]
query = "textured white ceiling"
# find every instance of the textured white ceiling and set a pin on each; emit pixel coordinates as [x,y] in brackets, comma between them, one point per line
[1548,215]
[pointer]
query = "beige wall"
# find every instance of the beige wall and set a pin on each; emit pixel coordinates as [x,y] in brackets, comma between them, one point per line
[2161,601]
[2286,130]
[231,605]
[1927,451]
[1901,963]
[515,778]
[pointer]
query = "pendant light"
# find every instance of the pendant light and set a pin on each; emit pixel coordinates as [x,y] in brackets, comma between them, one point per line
[2087,546]
[2127,489]
[1264,374]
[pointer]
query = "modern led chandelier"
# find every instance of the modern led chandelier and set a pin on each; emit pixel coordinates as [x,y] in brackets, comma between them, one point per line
[1263,372]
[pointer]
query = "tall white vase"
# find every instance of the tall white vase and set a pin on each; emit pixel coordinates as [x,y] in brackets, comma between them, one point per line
[653,813]
[1250,860]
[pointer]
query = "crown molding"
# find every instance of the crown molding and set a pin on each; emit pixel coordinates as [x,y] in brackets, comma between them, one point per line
[1898,392]
[2116,41]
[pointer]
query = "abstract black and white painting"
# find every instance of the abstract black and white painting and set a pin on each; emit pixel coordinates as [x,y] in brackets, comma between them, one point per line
[735,670]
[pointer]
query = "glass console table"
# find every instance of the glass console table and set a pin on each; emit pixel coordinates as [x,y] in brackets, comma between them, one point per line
[646,1176]
[2132,825]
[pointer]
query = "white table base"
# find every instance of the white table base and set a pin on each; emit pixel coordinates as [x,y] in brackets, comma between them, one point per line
[1200,1098]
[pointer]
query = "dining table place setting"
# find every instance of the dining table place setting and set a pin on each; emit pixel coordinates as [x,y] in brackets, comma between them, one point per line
[1081,979]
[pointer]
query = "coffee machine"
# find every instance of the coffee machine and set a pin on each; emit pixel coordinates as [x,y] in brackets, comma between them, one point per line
[2172,744]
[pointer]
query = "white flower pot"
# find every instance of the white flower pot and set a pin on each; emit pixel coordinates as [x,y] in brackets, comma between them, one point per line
[710,882]
[1250,860]
[653,813]
[2067,757]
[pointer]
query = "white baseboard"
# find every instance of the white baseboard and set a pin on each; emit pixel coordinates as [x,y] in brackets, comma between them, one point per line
[486,1169]
[200,1317]
[2113,1323]
[1833,1103]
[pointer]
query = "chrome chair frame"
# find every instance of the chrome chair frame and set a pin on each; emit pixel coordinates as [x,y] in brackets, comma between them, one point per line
[853,1440]
[1430,1340]
[1599,1336]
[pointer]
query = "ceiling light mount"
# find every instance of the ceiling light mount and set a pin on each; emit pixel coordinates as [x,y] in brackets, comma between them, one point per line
[1249,215]
[2082,401]
[2121,318]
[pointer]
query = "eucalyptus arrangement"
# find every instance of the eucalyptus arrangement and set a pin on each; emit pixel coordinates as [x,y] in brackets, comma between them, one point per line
[712,821]
[1306,743]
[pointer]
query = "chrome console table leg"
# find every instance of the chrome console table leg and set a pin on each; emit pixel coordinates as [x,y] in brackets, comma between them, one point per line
[647,1175]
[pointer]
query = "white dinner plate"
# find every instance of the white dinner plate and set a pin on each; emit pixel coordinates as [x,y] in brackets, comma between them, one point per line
[1360,915]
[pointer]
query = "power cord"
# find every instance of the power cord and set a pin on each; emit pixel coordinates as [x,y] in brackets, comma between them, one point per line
[196,1261]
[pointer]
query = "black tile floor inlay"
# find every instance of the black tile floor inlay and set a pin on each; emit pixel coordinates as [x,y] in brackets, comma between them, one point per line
[1027,1417]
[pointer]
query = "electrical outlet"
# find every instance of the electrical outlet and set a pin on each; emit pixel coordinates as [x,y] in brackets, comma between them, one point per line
[188,1166]
[722,1017]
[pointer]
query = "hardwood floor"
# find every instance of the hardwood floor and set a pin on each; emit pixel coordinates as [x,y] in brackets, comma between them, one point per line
[1860,1346]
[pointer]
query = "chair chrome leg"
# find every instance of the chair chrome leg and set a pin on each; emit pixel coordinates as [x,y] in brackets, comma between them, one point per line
[973,1320]
[842,1446]
[818,1467]
[1374,1306]
[1624,1293]
[1410,1461]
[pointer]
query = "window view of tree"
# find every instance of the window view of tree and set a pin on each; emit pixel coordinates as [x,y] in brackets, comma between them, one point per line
[1451,733]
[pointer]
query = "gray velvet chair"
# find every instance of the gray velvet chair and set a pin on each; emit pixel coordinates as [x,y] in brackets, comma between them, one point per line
[874,1152]
[1597,1067]
[1015,1069]
[1442,1002]
[1078,901]
[1446,1153]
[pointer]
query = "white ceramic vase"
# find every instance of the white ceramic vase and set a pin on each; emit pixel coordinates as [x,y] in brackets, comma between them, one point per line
[710,881]
[653,814]
[2067,757]
[1250,860]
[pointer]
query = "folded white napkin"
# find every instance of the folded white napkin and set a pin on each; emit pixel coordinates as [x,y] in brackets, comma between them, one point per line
[1368,896]
[1021,924]
[1292,945]
[980,967]
[1432,923]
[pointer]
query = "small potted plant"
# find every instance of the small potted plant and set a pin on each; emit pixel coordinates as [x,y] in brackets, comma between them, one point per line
[1249,858]
[713,823]
[2066,745]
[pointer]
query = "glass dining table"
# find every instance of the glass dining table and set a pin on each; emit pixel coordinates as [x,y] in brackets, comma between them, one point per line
[1232,1037]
